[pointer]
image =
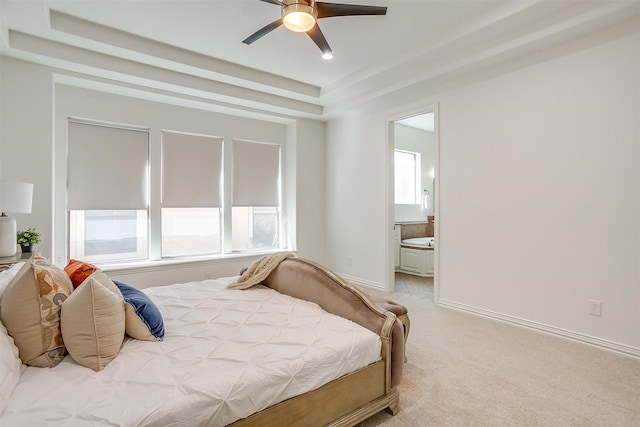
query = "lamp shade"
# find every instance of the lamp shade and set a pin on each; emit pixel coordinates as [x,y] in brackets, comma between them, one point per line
[16,197]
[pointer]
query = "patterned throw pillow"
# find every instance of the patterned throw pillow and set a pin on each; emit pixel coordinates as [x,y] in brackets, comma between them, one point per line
[31,311]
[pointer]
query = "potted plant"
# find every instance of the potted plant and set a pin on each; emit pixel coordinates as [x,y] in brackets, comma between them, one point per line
[27,238]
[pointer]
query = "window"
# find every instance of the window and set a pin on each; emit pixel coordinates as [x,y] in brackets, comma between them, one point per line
[255,228]
[256,196]
[407,167]
[190,231]
[191,202]
[112,217]
[105,222]
[107,235]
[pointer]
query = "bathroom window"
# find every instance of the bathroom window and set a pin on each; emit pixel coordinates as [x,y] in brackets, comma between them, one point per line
[408,166]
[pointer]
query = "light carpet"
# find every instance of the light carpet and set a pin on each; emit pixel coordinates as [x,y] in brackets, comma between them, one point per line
[465,370]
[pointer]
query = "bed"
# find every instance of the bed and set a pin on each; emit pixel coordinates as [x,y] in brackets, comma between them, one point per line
[302,348]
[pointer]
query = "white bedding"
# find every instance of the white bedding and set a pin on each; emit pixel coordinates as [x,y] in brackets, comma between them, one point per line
[226,354]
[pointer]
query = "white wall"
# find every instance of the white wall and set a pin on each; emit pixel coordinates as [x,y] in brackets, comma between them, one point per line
[310,166]
[34,111]
[539,193]
[355,174]
[26,135]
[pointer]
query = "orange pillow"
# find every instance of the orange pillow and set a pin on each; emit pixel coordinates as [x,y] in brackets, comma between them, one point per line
[78,271]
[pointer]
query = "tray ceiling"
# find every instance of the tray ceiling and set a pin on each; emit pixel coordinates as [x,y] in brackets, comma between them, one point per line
[195,48]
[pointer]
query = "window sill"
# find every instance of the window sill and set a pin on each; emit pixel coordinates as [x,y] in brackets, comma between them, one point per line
[164,264]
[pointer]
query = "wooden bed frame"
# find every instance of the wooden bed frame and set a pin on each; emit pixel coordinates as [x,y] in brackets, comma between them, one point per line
[353,397]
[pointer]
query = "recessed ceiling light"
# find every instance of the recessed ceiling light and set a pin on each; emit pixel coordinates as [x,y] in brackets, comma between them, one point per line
[327,55]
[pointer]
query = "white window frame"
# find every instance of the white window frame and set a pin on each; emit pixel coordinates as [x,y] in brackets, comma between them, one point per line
[154,236]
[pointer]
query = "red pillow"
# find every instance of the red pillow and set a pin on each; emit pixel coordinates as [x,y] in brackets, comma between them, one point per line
[78,271]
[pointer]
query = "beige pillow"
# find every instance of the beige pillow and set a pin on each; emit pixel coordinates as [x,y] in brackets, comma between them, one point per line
[31,311]
[93,322]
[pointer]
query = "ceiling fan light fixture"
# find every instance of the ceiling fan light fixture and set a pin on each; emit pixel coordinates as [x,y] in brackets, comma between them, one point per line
[299,17]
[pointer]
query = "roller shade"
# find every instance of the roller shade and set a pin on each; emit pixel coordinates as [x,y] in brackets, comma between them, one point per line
[256,172]
[106,167]
[191,170]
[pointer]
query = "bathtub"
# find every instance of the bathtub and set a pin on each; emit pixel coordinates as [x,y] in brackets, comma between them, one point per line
[420,242]
[417,256]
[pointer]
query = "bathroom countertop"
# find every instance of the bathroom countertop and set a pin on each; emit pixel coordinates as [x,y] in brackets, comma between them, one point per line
[422,248]
[412,222]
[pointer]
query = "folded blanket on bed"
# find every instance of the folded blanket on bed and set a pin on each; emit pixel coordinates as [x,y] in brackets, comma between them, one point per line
[260,270]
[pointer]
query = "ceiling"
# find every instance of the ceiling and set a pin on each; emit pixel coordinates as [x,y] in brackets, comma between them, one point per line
[193,48]
[421,121]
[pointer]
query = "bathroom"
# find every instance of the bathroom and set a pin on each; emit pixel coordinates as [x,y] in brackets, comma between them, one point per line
[414,210]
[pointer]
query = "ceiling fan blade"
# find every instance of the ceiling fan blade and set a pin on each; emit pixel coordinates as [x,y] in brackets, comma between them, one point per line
[327,10]
[318,38]
[262,32]
[279,3]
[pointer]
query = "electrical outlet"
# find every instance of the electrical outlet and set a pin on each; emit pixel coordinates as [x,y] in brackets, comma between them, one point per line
[595,307]
[349,260]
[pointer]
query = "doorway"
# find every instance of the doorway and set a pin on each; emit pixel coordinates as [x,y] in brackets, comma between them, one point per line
[413,204]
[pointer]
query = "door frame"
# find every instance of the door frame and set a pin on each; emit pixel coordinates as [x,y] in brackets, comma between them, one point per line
[389,194]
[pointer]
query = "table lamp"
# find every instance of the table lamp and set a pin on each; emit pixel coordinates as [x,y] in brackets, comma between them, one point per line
[15,197]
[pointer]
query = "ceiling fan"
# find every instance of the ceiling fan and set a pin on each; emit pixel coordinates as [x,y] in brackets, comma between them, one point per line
[301,16]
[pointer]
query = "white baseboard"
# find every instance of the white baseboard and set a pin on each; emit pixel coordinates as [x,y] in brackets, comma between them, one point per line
[362,282]
[540,327]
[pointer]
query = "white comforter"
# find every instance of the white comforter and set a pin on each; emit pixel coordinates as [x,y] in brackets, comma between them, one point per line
[226,354]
